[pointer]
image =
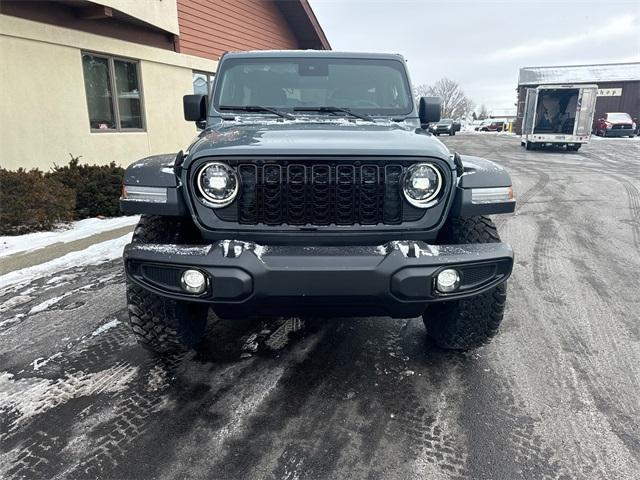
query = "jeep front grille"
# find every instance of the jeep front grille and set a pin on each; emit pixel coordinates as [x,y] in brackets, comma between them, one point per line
[320,193]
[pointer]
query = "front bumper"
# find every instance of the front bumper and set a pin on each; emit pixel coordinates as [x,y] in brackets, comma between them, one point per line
[396,279]
[619,132]
[556,138]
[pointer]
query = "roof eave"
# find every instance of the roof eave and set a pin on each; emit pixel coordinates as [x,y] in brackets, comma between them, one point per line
[304,24]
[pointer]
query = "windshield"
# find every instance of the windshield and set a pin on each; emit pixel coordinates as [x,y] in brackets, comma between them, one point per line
[446,121]
[618,117]
[367,86]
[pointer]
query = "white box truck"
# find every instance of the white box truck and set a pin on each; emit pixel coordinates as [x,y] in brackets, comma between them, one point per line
[558,115]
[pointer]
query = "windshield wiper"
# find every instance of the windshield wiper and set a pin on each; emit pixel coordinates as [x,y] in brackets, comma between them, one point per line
[362,116]
[257,108]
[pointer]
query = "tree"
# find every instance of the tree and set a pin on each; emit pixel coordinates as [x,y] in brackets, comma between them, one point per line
[474,116]
[483,112]
[454,101]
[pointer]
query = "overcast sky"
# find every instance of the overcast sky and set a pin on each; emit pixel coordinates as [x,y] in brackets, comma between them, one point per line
[482,44]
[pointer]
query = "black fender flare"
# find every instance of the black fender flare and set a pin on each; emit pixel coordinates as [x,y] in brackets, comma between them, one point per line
[155,171]
[479,172]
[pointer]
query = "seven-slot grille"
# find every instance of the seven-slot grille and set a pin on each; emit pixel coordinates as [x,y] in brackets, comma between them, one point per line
[320,193]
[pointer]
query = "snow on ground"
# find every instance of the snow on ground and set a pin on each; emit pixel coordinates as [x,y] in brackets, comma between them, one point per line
[103,328]
[98,253]
[633,139]
[67,233]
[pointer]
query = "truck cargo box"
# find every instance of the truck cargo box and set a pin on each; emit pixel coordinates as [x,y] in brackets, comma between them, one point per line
[558,115]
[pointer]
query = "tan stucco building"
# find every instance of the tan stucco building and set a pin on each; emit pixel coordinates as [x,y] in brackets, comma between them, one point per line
[104,80]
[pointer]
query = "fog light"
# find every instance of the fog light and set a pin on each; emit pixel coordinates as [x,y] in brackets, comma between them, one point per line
[448,280]
[193,281]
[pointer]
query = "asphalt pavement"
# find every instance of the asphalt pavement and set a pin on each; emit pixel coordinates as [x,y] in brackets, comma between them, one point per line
[555,395]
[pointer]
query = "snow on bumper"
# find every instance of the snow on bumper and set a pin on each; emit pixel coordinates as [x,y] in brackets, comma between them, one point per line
[396,279]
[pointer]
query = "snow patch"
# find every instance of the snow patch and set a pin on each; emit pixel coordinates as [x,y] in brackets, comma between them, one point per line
[382,249]
[63,234]
[28,397]
[306,119]
[107,326]
[237,247]
[10,321]
[95,254]
[62,278]
[411,249]
[40,362]
[430,251]
[46,304]
[15,302]
[174,249]
[225,247]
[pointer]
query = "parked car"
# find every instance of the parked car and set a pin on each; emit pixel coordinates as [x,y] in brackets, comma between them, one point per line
[615,124]
[288,208]
[446,125]
[491,125]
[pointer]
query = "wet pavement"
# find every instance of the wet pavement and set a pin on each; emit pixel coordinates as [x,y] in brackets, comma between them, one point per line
[555,395]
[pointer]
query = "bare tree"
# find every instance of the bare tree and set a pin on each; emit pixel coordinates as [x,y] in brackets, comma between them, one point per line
[483,112]
[454,101]
[421,90]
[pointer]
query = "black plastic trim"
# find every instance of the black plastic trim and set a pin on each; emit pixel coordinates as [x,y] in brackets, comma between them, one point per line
[174,207]
[397,277]
[464,207]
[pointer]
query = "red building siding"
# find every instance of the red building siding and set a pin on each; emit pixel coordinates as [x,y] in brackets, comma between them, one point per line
[210,27]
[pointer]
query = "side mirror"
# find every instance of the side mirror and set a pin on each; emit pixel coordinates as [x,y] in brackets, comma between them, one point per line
[429,110]
[195,107]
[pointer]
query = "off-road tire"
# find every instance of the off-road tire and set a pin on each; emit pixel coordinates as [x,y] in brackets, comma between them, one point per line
[467,323]
[160,324]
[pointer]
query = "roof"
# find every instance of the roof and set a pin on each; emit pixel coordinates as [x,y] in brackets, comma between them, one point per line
[304,24]
[312,53]
[612,72]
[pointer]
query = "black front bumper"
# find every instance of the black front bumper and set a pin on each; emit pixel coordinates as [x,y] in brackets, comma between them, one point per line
[619,132]
[396,279]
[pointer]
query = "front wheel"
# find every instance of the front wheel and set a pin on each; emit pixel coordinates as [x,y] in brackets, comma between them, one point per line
[161,324]
[471,322]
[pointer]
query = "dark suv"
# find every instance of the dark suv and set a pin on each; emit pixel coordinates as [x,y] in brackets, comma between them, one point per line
[313,190]
[446,125]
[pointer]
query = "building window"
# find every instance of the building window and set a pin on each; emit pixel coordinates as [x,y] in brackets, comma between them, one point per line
[202,83]
[114,93]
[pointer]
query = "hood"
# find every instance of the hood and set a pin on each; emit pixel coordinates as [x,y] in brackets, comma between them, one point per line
[336,137]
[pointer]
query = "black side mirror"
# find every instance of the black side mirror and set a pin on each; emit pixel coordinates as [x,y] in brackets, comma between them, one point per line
[429,110]
[195,107]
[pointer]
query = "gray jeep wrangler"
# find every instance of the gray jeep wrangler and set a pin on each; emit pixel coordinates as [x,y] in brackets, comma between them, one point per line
[314,190]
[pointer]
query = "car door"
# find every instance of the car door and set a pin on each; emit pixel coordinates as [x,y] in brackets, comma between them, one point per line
[586,110]
[529,111]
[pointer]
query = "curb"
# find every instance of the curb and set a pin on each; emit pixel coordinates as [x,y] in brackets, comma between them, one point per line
[31,258]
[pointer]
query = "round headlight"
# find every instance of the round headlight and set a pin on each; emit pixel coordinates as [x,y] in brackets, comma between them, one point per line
[218,184]
[421,184]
